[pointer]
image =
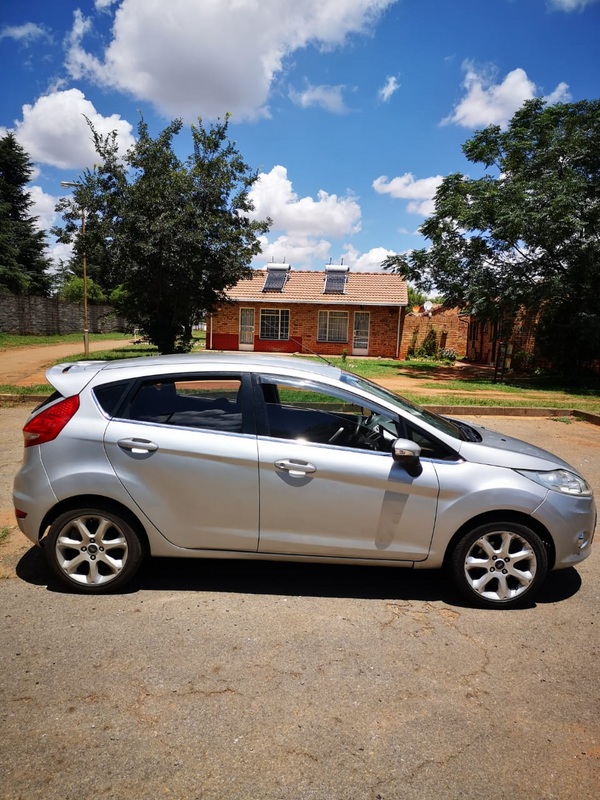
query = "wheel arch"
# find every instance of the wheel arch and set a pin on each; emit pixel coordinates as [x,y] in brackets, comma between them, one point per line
[505,516]
[101,503]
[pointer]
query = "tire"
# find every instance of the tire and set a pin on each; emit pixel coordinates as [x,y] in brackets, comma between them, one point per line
[499,565]
[92,550]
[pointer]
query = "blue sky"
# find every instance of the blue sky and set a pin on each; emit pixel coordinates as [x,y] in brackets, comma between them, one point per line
[352,110]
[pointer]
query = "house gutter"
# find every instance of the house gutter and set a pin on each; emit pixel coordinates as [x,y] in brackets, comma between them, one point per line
[280,299]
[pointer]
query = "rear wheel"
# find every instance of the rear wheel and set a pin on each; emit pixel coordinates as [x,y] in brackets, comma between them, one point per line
[93,550]
[499,565]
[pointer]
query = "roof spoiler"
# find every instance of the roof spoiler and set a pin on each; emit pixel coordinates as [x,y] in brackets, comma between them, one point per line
[70,378]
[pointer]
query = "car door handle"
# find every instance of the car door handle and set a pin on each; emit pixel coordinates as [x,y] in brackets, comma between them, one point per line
[137,445]
[297,469]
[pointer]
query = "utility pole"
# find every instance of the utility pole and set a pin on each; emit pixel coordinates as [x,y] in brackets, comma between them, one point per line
[86,333]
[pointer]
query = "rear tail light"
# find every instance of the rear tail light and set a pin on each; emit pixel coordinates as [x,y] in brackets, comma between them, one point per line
[47,425]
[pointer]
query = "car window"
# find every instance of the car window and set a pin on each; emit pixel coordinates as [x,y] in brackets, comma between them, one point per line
[430,447]
[441,423]
[308,412]
[211,403]
[110,395]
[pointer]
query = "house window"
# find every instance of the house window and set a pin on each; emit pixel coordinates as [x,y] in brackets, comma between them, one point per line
[333,326]
[274,323]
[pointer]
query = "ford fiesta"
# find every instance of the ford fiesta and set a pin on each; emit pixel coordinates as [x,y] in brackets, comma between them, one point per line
[244,456]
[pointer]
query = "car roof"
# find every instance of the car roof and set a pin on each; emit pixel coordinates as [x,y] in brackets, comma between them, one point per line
[71,378]
[248,360]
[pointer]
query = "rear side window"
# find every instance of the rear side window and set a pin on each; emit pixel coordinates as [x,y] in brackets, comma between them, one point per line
[110,395]
[211,403]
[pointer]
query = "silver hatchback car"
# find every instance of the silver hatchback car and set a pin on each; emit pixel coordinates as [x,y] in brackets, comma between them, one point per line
[246,456]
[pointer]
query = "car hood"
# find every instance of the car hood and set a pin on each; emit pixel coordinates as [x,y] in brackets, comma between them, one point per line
[497,449]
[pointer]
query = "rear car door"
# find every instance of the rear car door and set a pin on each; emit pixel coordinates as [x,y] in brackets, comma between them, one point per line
[328,483]
[185,450]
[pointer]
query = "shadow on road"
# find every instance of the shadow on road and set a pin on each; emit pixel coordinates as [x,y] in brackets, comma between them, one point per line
[293,580]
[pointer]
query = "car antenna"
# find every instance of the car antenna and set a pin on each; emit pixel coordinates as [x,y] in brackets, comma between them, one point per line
[318,355]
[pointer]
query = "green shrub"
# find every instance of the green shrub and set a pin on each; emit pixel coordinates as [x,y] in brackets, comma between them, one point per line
[429,347]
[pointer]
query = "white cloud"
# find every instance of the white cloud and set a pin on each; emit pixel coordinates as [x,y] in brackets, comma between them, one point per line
[58,251]
[326,97]
[367,262]
[26,33]
[42,207]
[54,131]
[407,187]
[560,95]
[302,252]
[102,5]
[194,58]
[307,224]
[390,86]
[329,215]
[489,103]
[570,5]
[486,103]
[424,207]
[420,192]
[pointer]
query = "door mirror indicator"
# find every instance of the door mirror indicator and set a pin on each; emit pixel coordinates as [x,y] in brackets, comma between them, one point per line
[407,453]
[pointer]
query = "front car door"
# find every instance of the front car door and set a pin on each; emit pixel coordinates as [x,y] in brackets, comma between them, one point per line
[328,483]
[185,450]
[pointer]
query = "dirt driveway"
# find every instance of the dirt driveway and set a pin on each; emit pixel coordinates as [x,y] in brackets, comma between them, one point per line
[26,366]
[236,680]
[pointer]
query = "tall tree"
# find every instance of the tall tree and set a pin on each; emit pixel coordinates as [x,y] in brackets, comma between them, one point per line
[527,233]
[23,260]
[172,235]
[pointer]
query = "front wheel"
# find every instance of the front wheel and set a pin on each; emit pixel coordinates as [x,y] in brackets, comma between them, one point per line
[93,550]
[499,565]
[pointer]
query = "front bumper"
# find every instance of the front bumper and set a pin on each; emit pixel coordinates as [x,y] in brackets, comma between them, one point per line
[571,522]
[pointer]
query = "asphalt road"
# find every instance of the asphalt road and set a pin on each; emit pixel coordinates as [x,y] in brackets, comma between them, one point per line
[271,681]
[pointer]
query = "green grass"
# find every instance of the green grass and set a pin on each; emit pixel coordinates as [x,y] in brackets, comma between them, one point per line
[4,533]
[366,367]
[9,340]
[480,386]
[508,402]
[131,351]
[38,388]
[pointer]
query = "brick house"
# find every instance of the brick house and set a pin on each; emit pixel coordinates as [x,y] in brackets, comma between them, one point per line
[283,310]
[450,326]
[484,340]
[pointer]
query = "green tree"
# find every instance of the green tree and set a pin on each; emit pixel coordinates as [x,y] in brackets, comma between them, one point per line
[23,261]
[170,236]
[415,297]
[72,291]
[527,233]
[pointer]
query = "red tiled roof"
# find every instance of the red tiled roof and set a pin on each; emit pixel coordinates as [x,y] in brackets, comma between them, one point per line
[362,288]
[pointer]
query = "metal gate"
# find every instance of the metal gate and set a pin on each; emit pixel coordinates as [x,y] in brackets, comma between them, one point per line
[246,329]
[360,339]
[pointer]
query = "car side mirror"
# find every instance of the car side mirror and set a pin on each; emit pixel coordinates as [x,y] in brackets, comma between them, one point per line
[407,453]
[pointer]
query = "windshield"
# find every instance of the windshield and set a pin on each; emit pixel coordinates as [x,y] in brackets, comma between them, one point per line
[402,403]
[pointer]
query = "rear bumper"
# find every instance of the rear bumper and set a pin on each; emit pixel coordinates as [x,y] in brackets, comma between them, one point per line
[32,494]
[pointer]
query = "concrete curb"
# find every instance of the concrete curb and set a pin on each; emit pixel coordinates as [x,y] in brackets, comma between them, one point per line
[462,411]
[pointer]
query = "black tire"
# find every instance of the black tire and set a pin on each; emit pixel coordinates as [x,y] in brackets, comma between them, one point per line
[499,565]
[93,550]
